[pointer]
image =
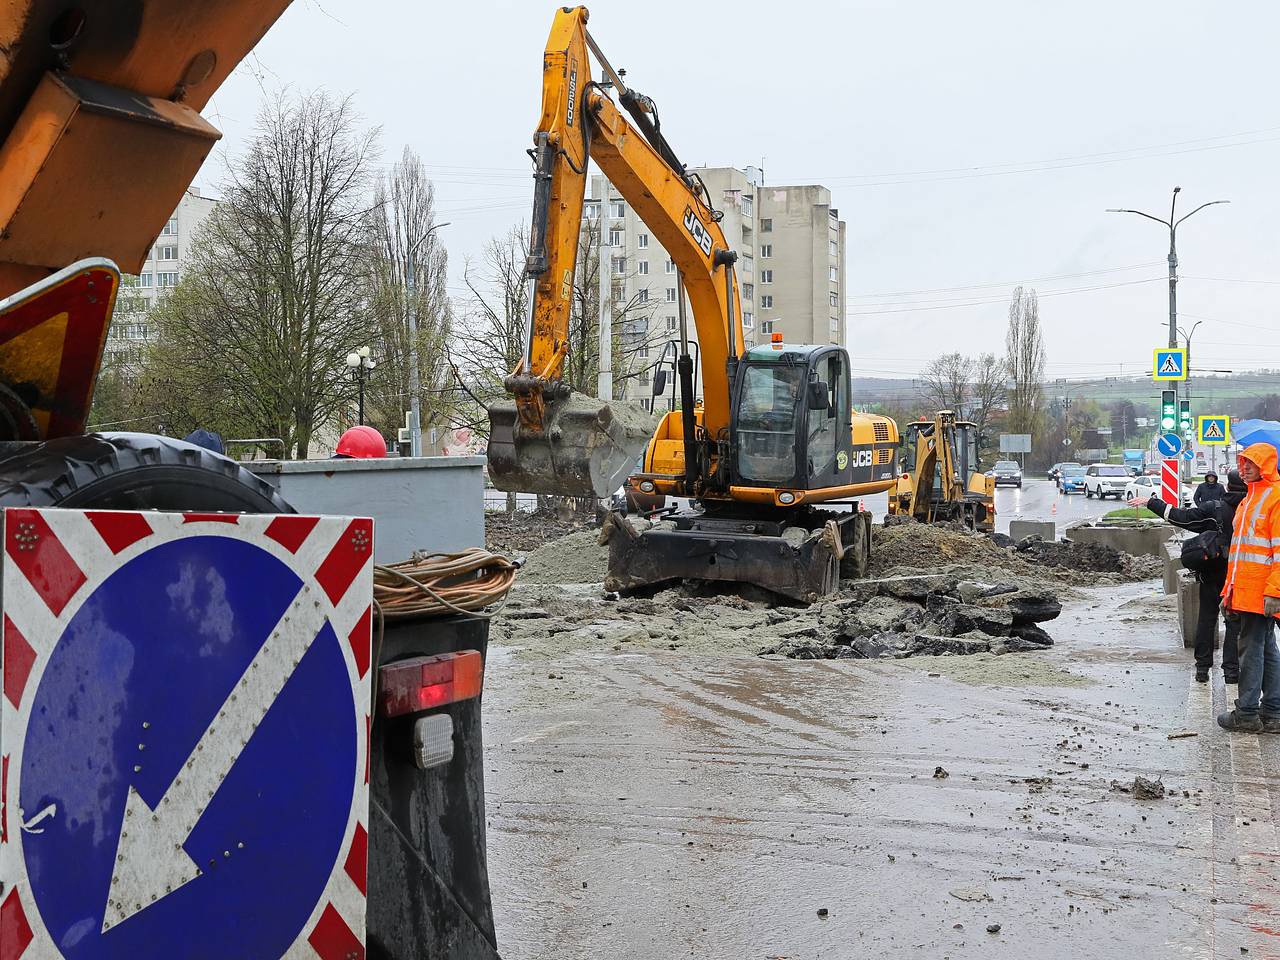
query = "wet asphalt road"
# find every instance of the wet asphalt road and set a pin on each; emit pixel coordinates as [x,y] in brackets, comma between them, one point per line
[663,805]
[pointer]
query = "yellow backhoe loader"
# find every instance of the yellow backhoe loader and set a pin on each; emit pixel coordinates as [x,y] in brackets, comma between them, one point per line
[940,478]
[775,435]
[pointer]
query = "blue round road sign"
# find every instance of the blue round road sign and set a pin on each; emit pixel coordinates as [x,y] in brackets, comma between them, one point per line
[1188,454]
[1169,445]
[136,684]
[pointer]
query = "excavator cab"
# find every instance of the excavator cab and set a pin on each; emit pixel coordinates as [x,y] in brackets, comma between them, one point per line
[791,418]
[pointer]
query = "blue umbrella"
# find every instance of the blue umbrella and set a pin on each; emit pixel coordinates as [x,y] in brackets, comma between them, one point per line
[1247,432]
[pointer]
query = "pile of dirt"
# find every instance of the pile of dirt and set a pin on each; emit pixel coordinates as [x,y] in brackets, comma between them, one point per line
[577,558]
[522,531]
[907,547]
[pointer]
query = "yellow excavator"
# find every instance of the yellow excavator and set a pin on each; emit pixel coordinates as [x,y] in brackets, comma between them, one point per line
[940,478]
[775,435]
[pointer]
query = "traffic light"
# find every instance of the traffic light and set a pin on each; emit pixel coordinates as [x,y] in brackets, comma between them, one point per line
[1184,418]
[1168,410]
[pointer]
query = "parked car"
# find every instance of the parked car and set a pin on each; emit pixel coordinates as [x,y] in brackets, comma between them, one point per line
[1071,478]
[1141,486]
[1104,480]
[1007,471]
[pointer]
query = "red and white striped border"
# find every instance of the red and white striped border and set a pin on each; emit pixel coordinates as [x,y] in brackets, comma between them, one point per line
[55,559]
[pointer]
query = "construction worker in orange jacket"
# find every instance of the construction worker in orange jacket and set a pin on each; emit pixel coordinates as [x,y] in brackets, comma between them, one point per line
[1253,591]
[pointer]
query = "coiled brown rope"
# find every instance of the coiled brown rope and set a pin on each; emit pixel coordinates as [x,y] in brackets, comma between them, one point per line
[441,584]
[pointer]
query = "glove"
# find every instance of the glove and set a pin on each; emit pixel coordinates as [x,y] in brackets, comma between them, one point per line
[1271,606]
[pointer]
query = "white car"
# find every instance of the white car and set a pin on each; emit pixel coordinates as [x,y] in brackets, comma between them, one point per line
[1104,480]
[1145,487]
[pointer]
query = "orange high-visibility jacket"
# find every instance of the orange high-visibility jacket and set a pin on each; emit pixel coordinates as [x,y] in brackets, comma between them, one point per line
[1253,566]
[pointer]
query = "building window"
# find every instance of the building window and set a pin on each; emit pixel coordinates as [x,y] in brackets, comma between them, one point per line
[644,351]
[615,237]
[835,325]
[766,301]
[766,251]
[166,279]
[747,205]
[835,299]
[748,319]
[643,266]
[766,326]
[619,265]
[166,253]
[617,209]
[145,280]
[671,324]
[766,276]
[671,294]
[644,294]
[748,291]
[835,273]
[642,240]
[766,225]
[591,209]
[170,228]
[834,248]
[644,378]
[619,293]
[671,266]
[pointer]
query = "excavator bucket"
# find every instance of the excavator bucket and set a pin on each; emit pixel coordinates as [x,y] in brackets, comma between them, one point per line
[587,448]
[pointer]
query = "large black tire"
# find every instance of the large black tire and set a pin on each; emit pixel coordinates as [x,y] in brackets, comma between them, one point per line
[132,471]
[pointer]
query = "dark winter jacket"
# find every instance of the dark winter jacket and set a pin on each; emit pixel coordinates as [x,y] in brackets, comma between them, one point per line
[1208,492]
[1216,514]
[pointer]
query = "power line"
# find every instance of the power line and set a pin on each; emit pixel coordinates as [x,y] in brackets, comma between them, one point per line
[979,303]
[1007,283]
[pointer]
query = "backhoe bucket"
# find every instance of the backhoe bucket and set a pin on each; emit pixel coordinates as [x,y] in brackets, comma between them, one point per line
[587,448]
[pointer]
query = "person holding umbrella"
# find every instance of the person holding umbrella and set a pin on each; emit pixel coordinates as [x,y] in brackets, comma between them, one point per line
[1252,590]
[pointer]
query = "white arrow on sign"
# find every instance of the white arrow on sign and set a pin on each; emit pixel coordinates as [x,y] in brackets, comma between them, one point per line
[150,860]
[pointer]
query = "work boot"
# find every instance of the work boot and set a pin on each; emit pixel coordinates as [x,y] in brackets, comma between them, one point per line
[1202,674]
[1235,721]
[1271,724]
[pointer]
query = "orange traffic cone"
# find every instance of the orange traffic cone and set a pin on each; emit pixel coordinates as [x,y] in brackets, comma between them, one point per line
[1055,507]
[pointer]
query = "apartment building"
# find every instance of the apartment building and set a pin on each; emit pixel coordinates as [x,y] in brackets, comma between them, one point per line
[164,265]
[790,269]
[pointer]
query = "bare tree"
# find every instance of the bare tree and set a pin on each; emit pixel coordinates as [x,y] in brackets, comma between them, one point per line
[945,383]
[277,294]
[403,239]
[988,394]
[1025,362]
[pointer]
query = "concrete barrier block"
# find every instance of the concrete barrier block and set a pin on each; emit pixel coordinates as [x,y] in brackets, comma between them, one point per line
[1146,540]
[1044,529]
[1189,608]
[1172,565]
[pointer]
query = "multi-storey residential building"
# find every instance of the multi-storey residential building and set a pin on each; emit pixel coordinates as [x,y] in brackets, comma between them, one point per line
[790,269]
[800,275]
[164,265]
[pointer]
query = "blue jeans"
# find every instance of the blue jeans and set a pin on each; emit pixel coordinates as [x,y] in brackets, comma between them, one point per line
[1259,666]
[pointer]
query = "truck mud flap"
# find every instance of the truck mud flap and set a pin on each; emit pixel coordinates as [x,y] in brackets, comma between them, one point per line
[806,571]
[428,881]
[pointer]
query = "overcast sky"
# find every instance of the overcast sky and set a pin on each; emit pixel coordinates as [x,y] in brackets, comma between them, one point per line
[970,147]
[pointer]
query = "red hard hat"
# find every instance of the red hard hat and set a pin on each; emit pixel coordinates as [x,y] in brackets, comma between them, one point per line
[361,443]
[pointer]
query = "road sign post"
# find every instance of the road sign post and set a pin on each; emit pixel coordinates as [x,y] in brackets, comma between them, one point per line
[185,734]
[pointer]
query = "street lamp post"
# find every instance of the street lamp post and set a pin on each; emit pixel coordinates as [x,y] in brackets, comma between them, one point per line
[415,384]
[360,363]
[1172,224]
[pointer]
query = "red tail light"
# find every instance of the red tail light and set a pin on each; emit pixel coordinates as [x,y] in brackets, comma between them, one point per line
[424,683]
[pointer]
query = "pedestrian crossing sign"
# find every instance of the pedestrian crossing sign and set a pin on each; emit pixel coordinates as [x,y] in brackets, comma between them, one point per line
[1214,431]
[1170,364]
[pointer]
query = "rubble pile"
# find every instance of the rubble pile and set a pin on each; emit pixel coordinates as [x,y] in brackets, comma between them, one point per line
[929,615]
[522,532]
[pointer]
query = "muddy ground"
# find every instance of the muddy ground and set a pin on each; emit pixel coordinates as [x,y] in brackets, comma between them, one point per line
[647,801]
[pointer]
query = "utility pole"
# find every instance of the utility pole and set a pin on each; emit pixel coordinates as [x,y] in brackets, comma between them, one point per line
[415,384]
[604,377]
